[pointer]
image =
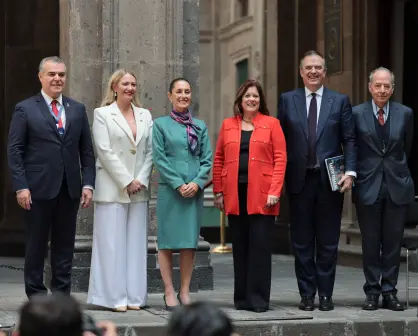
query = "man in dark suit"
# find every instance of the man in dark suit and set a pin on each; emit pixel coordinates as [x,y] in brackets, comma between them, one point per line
[384,187]
[318,124]
[49,143]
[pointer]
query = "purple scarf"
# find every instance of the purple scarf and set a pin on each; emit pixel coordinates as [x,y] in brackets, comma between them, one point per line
[191,128]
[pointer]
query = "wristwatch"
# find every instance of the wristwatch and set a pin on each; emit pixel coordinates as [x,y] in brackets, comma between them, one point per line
[217,195]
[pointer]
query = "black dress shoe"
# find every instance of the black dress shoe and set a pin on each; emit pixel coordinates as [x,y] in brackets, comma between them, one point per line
[371,302]
[241,305]
[258,310]
[391,302]
[325,303]
[307,303]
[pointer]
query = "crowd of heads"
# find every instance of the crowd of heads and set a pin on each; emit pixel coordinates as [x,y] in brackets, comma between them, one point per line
[62,315]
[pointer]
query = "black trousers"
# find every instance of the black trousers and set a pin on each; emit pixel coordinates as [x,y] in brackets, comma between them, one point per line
[315,223]
[382,226]
[58,218]
[251,243]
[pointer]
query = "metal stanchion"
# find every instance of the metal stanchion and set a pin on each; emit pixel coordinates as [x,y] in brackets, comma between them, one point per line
[222,248]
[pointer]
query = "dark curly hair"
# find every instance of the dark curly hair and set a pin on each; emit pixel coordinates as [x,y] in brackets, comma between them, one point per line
[199,319]
[241,92]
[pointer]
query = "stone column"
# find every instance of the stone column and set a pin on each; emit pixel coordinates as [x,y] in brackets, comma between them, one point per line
[80,47]
[158,40]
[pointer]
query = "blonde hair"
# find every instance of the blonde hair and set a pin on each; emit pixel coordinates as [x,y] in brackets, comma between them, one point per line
[109,96]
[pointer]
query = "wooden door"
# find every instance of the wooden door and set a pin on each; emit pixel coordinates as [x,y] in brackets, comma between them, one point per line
[28,33]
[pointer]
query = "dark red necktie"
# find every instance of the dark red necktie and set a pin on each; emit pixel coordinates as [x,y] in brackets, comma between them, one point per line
[380,117]
[55,110]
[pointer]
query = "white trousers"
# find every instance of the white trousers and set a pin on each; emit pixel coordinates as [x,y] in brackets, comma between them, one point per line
[118,274]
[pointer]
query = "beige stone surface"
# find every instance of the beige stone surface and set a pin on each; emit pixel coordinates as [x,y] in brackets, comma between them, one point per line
[147,37]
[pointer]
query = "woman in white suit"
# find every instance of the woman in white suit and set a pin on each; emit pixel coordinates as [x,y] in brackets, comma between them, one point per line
[122,133]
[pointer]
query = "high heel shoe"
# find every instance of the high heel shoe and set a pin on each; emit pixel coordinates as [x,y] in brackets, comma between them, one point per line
[179,299]
[167,307]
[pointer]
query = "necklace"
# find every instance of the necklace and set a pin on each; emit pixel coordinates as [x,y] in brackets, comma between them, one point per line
[248,122]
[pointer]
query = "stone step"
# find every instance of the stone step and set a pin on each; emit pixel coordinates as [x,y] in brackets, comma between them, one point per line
[352,236]
[351,255]
[290,325]
[296,326]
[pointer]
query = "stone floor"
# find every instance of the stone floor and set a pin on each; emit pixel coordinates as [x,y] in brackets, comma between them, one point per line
[283,319]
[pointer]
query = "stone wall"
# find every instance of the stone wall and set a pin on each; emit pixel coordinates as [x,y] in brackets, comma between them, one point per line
[158,40]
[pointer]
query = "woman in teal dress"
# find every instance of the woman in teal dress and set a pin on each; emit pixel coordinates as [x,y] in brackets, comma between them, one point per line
[183,158]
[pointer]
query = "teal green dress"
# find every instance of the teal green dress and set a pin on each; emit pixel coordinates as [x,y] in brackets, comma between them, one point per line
[179,218]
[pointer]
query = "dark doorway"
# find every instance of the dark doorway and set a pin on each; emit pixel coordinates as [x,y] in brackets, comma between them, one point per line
[27,34]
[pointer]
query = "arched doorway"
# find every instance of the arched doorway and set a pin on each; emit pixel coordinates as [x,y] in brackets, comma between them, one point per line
[27,34]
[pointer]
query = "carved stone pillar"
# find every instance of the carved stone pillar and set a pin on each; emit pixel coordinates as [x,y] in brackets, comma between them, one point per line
[158,40]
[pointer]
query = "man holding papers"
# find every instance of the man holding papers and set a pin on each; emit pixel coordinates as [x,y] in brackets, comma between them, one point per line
[384,187]
[318,124]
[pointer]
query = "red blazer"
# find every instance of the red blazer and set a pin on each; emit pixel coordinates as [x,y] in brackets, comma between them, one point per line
[266,167]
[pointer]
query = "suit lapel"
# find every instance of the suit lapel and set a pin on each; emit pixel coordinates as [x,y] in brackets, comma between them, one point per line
[300,104]
[140,125]
[43,107]
[121,122]
[369,117]
[324,111]
[394,123]
[69,114]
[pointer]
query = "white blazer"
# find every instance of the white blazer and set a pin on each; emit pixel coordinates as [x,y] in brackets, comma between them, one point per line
[120,158]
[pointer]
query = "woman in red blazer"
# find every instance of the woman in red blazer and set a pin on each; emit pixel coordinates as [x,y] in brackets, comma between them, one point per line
[248,174]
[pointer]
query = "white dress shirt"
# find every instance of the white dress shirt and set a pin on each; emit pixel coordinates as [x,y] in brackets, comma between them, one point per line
[318,96]
[377,108]
[49,100]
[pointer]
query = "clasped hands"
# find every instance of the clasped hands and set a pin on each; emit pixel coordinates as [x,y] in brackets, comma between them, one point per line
[188,190]
[135,187]
[346,183]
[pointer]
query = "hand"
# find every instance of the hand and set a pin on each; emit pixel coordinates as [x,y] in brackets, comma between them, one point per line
[346,182]
[219,202]
[134,187]
[181,189]
[142,186]
[24,199]
[86,198]
[272,201]
[190,190]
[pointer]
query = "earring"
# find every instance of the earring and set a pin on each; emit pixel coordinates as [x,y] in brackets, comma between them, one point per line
[116,95]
